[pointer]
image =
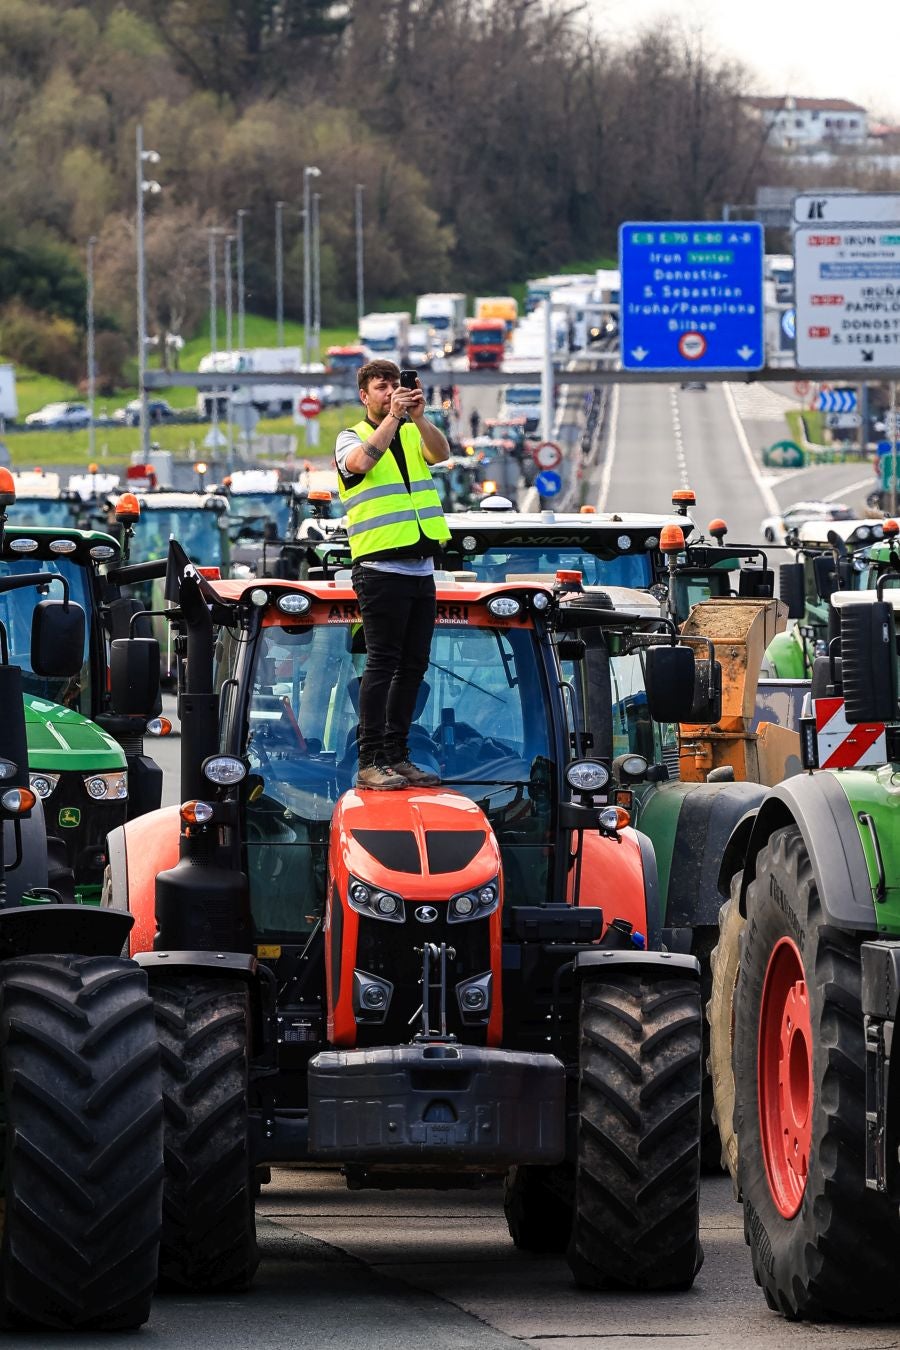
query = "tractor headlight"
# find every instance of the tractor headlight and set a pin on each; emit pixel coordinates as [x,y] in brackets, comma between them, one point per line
[107,786]
[374,902]
[43,783]
[504,606]
[476,903]
[224,770]
[540,600]
[587,775]
[295,602]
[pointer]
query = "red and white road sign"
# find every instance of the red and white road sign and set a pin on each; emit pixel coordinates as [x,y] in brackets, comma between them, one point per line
[309,406]
[692,346]
[802,388]
[843,744]
[547,455]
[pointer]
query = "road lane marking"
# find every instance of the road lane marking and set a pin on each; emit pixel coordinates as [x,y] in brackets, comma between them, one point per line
[849,487]
[610,448]
[773,507]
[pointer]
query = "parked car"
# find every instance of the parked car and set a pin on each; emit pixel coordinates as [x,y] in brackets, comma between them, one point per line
[60,415]
[158,410]
[775,528]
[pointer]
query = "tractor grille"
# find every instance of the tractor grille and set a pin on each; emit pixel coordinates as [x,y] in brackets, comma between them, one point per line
[388,950]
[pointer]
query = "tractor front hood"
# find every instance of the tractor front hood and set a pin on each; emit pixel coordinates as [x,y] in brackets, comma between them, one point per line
[425,845]
[61,739]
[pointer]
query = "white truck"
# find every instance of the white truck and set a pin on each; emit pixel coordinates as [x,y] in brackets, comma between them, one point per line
[270,400]
[385,337]
[9,407]
[445,312]
[424,346]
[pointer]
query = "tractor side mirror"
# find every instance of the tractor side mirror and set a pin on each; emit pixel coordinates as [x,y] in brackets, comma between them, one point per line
[571,649]
[670,677]
[707,705]
[57,638]
[826,577]
[792,590]
[869,662]
[756,582]
[134,676]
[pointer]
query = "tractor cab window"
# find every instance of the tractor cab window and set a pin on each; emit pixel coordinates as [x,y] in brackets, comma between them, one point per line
[196,529]
[633,729]
[37,512]
[16,608]
[498,563]
[479,722]
[251,512]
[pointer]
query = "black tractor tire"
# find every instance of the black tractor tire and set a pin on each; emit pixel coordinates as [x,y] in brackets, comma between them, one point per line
[725,964]
[209,1216]
[710,1145]
[537,1202]
[835,1256]
[81,1124]
[637,1170]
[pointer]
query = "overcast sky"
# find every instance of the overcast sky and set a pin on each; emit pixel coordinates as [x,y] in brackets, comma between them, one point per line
[821,48]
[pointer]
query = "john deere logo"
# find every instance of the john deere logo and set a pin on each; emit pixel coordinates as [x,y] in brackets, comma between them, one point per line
[70,817]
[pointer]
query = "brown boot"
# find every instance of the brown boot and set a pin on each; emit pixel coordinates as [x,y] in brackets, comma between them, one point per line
[414,776]
[379,778]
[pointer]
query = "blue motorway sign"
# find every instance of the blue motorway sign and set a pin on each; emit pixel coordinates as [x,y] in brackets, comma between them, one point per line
[836,400]
[692,295]
[548,483]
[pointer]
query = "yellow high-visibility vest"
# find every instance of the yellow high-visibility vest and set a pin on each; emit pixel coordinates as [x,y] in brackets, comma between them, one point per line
[382,513]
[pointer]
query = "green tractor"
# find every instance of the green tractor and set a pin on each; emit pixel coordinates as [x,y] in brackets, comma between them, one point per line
[81,1180]
[806,988]
[86,756]
[829,555]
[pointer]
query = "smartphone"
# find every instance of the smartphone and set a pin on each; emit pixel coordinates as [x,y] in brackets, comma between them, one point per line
[409,379]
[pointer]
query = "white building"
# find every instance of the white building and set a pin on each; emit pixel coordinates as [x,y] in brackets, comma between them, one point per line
[811,123]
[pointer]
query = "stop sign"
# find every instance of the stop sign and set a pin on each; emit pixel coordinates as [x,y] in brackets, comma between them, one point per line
[309,406]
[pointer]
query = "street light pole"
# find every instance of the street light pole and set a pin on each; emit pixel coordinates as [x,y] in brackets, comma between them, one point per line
[309,172]
[240,276]
[214,410]
[360,189]
[317,277]
[143,157]
[229,305]
[91,377]
[279,271]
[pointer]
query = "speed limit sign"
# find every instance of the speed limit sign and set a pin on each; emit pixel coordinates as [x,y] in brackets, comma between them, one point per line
[547,455]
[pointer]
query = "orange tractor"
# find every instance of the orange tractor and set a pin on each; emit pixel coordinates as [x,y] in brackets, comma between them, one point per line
[430,987]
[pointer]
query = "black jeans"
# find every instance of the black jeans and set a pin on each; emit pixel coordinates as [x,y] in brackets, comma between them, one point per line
[398,620]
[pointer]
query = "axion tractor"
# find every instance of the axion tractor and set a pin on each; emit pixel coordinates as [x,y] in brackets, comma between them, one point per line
[82,1162]
[807,978]
[427,987]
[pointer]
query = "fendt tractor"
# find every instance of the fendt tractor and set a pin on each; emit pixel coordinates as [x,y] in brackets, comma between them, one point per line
[85,755]
[807,978]
[426,987]
[829,555]
[79,1056]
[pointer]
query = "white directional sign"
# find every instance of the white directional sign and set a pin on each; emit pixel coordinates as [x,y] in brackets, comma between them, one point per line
[847,280]
[846,208]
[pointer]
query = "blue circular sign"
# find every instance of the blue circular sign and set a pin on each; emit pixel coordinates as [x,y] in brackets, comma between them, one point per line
[789,324]
[548,483]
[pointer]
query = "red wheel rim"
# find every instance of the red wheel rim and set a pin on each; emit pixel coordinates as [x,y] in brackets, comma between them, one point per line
[784,1073]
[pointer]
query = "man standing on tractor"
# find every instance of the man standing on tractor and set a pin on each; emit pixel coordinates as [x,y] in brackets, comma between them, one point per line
[396,529]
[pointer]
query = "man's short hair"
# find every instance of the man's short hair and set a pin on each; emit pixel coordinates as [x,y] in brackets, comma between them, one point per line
[375,370]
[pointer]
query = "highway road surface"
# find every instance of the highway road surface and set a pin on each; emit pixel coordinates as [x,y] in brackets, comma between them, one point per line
[411,1270]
